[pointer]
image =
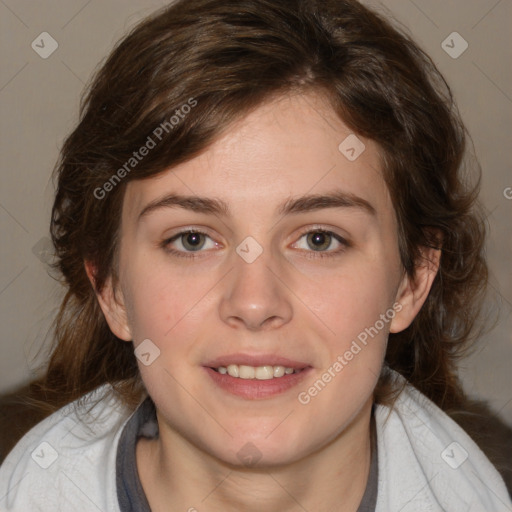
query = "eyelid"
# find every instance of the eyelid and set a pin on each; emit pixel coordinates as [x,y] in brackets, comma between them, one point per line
[187,229]
[321,228]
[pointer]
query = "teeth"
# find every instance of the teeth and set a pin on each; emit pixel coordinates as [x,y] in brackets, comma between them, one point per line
[279,371]
[251,372]
[245,372]
[233,370]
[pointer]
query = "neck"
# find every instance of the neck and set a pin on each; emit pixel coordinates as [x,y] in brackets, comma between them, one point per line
[177,475]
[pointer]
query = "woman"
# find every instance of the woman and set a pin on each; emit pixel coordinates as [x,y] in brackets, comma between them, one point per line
[272,265]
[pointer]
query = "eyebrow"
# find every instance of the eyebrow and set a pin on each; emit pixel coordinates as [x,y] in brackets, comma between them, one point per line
[303,204]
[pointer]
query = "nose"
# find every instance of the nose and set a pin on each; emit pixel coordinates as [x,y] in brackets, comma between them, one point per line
[256,296]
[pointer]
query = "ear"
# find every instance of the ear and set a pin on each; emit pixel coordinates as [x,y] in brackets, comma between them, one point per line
[413,291]
[111,302]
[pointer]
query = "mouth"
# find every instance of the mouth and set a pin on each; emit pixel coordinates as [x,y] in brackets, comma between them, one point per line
[256,378]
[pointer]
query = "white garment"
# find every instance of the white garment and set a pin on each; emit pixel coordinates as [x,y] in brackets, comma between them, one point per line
[427,463]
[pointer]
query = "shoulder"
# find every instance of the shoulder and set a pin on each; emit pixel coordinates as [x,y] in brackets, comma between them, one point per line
[428,462]
[67,462]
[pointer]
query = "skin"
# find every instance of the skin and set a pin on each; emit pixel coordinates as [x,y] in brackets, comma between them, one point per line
[314,456]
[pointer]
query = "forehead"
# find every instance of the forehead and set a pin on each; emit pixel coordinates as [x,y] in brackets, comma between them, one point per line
[288,147]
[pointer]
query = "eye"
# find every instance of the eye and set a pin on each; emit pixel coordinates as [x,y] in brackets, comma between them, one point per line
[189,241]
[319,241]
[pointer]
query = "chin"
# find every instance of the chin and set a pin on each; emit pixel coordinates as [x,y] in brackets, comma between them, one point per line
[258,453]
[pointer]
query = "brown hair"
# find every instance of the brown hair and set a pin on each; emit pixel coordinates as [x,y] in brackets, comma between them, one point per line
[227,58]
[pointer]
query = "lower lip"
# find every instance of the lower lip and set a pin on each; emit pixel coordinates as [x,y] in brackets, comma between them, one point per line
[254,389]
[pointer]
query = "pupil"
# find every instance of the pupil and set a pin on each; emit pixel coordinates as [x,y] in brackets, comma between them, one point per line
[322,238]
[193,240]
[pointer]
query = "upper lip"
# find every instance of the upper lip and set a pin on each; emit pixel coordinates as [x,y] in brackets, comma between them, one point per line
[256,360]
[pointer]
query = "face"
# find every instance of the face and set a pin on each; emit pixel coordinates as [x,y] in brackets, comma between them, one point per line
[256,277]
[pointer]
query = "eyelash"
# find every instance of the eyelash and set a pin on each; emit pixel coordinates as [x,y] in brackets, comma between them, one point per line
[311,254]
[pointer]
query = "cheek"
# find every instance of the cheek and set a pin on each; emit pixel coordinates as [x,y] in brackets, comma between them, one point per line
[164,303]
[351,301]
[356,308]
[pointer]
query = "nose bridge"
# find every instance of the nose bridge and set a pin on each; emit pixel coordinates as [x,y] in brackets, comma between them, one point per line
[254,295]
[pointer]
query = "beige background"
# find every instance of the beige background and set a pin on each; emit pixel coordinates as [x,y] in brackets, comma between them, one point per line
[39,100]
